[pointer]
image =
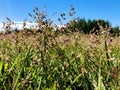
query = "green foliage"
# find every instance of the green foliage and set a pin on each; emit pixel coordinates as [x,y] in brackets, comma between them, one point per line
[90,26]
[115,31]
[46,61]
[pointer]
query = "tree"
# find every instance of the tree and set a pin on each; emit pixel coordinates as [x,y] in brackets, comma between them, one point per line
[115,31]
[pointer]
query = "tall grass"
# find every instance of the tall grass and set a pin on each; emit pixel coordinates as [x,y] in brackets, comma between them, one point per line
[53,63]
[47,60]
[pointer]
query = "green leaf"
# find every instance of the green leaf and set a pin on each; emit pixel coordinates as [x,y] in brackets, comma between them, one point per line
[1,68]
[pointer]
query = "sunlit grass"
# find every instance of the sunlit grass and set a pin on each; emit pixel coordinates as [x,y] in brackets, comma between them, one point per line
[42,58]
[64,62]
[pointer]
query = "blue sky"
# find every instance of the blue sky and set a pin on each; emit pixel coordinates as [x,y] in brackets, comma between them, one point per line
[17,10]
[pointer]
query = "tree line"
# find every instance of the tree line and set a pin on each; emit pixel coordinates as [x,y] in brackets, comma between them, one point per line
[92,26]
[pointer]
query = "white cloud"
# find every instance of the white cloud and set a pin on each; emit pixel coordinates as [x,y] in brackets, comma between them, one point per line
[1,26]
[19,25]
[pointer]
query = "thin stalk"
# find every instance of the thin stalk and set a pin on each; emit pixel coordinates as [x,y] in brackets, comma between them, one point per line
[106,51]
[99,75]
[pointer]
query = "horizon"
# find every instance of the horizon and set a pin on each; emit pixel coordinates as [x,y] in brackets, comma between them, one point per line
[101,9]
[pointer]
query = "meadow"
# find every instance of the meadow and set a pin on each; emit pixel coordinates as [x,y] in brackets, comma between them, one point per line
[51,60]
[46,61]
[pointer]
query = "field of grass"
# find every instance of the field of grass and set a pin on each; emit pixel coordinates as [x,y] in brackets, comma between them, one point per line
[50,61]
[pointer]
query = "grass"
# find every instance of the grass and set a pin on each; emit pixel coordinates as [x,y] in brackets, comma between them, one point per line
[44,61]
